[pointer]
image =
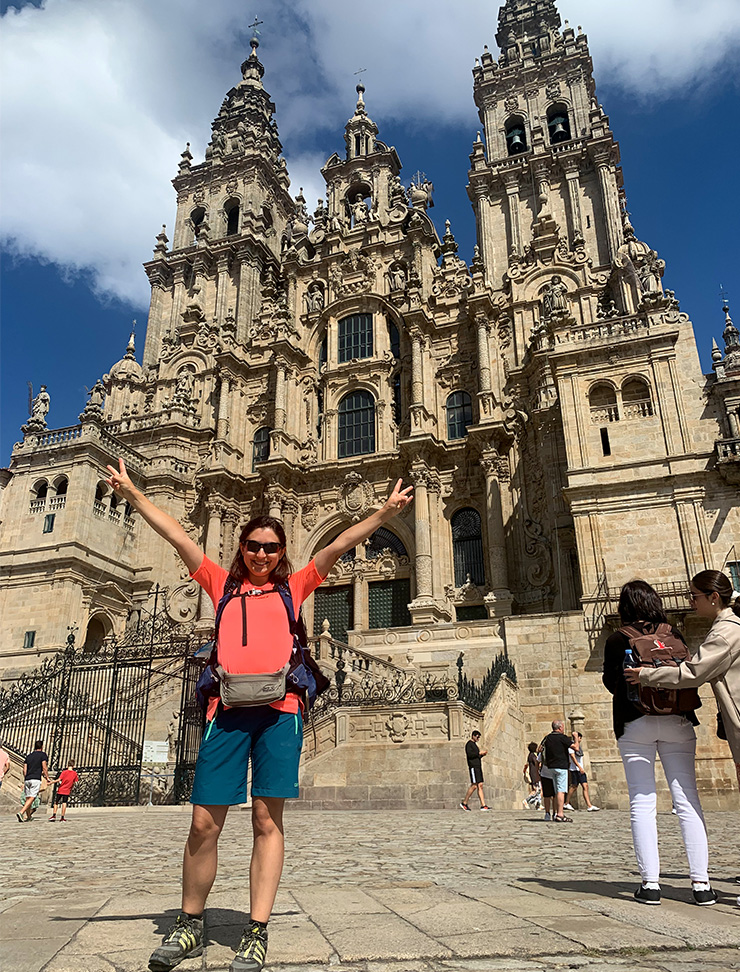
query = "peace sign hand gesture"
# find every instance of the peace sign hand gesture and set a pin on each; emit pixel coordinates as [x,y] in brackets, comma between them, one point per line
[120,481]
[399,499]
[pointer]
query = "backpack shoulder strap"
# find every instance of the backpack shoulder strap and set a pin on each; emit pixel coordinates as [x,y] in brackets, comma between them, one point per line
[287,598]
[230,586]
[631,632]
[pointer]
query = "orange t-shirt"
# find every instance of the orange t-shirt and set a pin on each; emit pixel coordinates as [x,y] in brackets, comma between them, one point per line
[269,641]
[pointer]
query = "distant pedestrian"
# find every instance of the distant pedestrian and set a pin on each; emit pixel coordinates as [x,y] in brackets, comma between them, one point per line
[475,770]
[577,773]
[555,757]
[35,767]
[4,764]
[532,778]
[641,735]
[67,779]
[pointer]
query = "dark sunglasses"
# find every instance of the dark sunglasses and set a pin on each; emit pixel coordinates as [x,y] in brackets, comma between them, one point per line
[254,546]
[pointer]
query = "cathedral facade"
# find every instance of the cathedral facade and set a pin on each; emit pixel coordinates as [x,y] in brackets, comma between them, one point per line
[546,400]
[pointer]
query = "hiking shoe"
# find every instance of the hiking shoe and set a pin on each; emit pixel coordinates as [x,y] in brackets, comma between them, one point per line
[464,806]
[485,808]
[705,896]
[648,896]
[593,809]
[250,956]
[183,940]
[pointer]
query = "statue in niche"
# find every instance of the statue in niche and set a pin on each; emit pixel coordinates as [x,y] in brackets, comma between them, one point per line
[554,301]
[40,406]
[184,387]
[315,298]
[360,214]
[397,276]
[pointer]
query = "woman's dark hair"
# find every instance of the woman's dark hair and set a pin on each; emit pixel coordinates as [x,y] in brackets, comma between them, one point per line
[284,569]
[715,582]
[532,747]
[638,601]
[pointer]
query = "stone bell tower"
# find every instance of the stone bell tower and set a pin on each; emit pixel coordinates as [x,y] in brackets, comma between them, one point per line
[599,366]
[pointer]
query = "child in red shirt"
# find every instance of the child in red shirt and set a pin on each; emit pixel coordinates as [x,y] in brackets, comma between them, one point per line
[64,783]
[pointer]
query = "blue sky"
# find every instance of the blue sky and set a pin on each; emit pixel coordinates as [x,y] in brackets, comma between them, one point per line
[99,100]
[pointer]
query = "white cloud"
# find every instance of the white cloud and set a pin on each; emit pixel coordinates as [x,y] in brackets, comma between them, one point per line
[99,99]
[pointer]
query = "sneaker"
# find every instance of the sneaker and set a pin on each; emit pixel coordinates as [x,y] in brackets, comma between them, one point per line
[705,896]
[62,820]
[250,956]
[183,940]
[486,808]
[593,809]
[52,818]
[464,806]
[547,816]
[20,818]
[648,896]
[567,806]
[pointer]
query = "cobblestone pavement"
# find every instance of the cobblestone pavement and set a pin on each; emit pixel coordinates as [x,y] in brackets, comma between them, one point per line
[429,891]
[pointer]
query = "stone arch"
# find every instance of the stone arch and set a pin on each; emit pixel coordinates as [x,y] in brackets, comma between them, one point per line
[533,286]
[99,627]
[61,485]
[558,120]
[516,133]
[40,489]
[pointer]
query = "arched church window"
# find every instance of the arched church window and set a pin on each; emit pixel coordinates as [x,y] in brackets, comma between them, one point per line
[602,398]
[261,446]
[558,124]
[41,490]
[394,339]
[467,547]
[232,217]
[516,136]
[323,353]
[356,424]
[267,217]
[61,486]
[100,492]
[636,398]
[355,337]
[196,218]
[384,539]
[459,414]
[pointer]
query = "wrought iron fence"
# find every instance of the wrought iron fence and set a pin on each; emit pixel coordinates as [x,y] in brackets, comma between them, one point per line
[477,694]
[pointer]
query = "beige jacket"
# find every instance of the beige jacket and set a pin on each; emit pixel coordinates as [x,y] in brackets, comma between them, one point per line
[716,661]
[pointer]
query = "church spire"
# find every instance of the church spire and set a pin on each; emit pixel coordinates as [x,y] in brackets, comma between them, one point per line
[525,21]
[360,131]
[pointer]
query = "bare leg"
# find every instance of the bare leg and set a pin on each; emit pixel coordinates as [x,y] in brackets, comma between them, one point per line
[471,790]
[480,795]
[200,859]
[64,809]
[27,806]
[266,865]
[571,791]
[586,797]
[559,801]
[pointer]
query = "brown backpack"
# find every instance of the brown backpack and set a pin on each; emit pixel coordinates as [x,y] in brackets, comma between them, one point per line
[654,650]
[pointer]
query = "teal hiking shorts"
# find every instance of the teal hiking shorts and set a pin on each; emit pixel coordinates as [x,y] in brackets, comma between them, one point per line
[271,739]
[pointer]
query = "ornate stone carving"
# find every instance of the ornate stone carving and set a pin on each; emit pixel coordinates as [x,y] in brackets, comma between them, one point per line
[310,514]
[552,90]
[355,497]
[354,274]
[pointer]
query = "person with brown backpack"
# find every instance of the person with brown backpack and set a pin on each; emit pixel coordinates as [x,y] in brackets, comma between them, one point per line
[649,722]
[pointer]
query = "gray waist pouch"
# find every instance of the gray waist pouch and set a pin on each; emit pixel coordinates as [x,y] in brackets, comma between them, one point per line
[258,689]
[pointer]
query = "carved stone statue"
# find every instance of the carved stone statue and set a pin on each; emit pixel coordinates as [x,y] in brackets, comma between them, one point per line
[184,387]
[554,302]
[650,272]
[315,298]
[40,406]
[360,214]
[172,736]
[397,276]
[97,395]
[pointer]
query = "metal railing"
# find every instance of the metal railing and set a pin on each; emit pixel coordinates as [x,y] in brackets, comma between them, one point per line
[478,694]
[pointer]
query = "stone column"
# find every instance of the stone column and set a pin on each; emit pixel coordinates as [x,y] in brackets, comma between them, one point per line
[609,201]
[222,427]
[484,353]
[511,183]
[496,470]
[484,229]
[178,292]
[230,535]
[279,419]
[222,285]
[249,296]
[542,182]
[213,552]
[733,416]
[422,534]
[358,587]
[571,170]
[155,323]
[274,498]
[417,381]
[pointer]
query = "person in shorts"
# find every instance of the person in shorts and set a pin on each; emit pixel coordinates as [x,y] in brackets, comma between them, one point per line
[475,771]
[577,774]
[35,768]
[532,778]
[254,637]
[65,782]
[555,748]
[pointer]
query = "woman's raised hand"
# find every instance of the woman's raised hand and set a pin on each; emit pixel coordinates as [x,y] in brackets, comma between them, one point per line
[119,479]
[399,498]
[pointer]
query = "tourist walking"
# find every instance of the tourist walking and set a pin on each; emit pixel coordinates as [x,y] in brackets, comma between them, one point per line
[253,637]
[532,778]
[641,736]
[35,768]
[577,773]
[475,771]
[4,764]
[67,779]
[717,660]
[555,761]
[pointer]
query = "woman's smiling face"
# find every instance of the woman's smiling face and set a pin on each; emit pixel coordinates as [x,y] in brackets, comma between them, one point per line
[260,563]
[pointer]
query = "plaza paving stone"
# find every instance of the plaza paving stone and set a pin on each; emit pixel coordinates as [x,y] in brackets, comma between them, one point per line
[426,891]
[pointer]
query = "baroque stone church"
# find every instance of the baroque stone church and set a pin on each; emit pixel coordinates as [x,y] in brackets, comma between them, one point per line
[546,401]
